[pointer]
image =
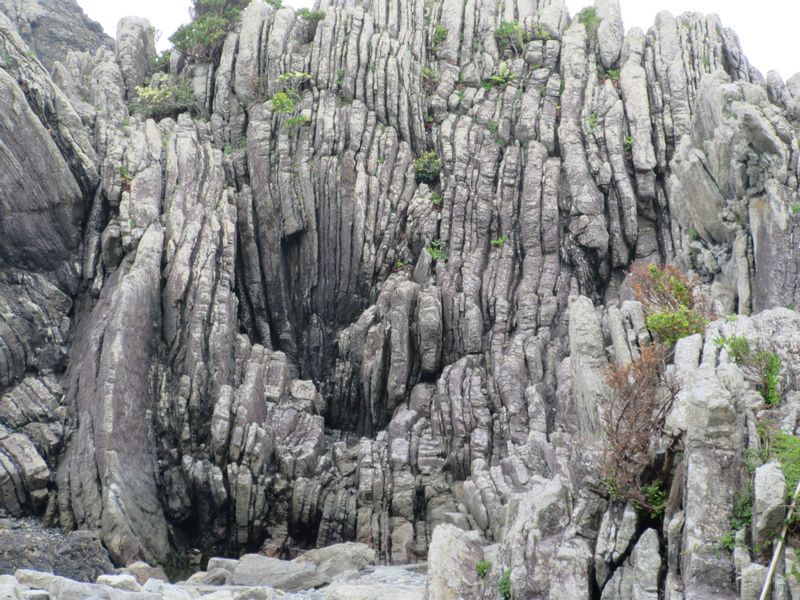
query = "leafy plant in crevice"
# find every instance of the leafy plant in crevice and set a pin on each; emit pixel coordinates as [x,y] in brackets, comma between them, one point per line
[436,199]
[592,122]
[436,250]
[430,77]
[439,35]
[588,17]
[540,33]
[125,177]
[428,167]
[501,78]
[504,586]
[298,121]
[628,144]
[500,241]
[482,568]
[511,35]
[162,98]
[742,516]
[762,367]
[673,302]
[284,102]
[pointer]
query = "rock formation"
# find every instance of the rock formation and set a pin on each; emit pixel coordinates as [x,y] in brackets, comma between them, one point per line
[224,332]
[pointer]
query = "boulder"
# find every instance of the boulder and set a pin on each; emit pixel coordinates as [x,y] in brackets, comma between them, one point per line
[334,560]
[259,570]
[452,557]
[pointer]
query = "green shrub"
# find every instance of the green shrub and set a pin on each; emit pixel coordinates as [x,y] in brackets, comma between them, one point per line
[592,122]
[743,508]
[430,77]
[588,17]
[284,103]
[673,303]
[540,33]
[769,365]
[482,568]
[276,4]
[795,208]
[612,74]
[293,80]
[310,16]
[126,178]
[673,325]
[657,499]
[436,199]
[436,250]
[511,36]
[728,541]
[504,585]
[786,448]
[162,98]
[428,167]
[439,35]
[629,142]
[500,79]
[298,121]
[762,367]
[212,20]
[500,242]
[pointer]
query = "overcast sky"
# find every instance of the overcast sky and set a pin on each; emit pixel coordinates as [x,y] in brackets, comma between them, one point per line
[768,29]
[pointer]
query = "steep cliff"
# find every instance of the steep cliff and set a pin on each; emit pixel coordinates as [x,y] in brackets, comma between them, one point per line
[240,328]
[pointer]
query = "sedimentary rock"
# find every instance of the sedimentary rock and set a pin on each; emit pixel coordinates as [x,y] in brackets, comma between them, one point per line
[236,330]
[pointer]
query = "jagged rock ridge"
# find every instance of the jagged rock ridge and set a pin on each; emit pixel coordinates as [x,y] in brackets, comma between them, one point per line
[226,333]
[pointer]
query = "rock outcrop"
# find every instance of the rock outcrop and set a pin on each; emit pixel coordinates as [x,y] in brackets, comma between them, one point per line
[234,330]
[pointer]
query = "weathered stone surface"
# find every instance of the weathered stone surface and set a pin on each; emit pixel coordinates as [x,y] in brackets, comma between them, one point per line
[52,29]
[452,557]
[238,333]
[768,505]
[77,555]
[334,560]
[255,569]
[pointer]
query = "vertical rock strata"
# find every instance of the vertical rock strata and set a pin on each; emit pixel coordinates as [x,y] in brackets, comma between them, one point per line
[226,332]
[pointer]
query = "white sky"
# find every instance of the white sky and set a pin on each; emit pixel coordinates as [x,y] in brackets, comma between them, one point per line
[767,30]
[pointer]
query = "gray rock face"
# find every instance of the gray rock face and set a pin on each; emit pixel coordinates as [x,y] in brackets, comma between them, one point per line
[240,333]
[53,28]
[77,555]
[452,557]
[768,505]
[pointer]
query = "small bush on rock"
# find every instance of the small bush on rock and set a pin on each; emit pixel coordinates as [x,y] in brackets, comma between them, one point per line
[162,98]
[639,397]
[428,167]
[283,103]
[311,16]
[511,36]
[211,22]
[482,568]
[439,35]
[588,17]
[436,250]
[762,367]
[504,586]
[674,304]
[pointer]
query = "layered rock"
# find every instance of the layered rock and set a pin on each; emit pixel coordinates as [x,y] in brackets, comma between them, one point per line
[231,332]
